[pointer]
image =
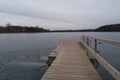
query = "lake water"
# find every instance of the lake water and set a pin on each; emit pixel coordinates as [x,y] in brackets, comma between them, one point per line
[23,56]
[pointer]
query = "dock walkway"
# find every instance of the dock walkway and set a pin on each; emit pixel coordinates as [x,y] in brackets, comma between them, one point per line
[71,63]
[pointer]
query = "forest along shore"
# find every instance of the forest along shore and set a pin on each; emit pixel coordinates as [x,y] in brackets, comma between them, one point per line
[36,29]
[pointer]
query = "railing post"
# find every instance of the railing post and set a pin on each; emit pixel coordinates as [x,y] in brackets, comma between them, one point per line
[87,41]
[90,42]
[96,64]
[83,39]
[95,45]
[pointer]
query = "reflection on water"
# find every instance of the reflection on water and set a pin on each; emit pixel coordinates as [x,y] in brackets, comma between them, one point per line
[23,56]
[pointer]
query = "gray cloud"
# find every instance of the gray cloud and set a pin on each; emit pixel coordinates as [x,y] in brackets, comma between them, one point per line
[72,13]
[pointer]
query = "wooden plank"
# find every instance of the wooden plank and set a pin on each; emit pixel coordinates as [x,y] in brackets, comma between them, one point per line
[104,63]
[71,64]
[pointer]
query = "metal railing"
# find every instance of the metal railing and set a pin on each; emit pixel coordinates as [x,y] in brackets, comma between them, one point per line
[86,42]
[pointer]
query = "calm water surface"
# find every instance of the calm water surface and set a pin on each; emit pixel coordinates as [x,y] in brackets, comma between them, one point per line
[23,56]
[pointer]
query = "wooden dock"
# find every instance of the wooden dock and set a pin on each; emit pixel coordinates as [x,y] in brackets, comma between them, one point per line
[70,62]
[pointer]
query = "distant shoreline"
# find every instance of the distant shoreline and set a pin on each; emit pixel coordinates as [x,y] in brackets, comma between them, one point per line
[50,32]
[36,29]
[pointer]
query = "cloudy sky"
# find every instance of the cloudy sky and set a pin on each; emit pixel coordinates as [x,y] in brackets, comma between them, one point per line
[60,14]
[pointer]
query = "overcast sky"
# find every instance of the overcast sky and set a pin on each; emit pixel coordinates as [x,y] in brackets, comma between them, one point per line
[60,14]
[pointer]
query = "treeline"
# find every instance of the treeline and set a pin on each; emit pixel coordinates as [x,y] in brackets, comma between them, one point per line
[106,28]
[31,29]
[82,30]
[21,29]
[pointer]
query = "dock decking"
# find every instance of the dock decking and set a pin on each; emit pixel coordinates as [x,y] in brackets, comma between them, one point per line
[70,63]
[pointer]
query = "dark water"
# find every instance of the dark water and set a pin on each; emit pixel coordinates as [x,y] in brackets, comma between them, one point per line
[23,56]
